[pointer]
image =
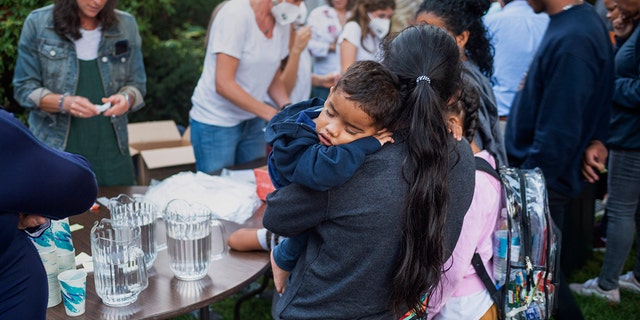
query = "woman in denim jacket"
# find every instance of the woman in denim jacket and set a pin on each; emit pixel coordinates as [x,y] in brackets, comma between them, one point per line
[74,59]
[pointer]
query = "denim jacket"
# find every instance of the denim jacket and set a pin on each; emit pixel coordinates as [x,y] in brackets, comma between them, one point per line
[48,63]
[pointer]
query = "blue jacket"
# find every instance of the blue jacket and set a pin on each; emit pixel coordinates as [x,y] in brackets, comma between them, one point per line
[624,131]
[299,157]
[48,63]
[565,101]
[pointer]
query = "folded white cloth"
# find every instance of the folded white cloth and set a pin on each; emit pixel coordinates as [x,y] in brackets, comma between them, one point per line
[228,198]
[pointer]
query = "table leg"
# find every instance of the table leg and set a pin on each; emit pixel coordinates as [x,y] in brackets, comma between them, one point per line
[248,295]
[204,313]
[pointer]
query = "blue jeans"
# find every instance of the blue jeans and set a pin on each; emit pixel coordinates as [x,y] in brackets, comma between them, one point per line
[218,147]
[623,210]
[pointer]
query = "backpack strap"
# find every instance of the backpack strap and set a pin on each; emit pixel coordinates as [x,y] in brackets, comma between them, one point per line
[484,166]
[476,261]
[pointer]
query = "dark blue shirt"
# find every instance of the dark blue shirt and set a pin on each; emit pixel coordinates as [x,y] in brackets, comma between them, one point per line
[565,101]
[624,131]
[34,179]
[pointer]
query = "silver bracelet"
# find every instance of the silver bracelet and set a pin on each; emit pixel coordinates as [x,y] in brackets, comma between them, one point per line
[127,97]
[60,103]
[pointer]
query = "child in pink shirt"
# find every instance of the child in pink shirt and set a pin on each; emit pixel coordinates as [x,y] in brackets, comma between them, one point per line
[462,295]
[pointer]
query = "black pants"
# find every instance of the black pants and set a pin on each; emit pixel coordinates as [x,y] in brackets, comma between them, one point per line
[559,207]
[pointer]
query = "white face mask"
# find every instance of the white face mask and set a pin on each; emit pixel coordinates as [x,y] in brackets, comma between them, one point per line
[285,12]
[379,26]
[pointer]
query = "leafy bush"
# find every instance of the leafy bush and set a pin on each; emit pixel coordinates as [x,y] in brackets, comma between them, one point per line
[172,46]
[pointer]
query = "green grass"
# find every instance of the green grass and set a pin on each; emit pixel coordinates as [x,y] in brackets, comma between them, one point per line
[595,308]
[255,308]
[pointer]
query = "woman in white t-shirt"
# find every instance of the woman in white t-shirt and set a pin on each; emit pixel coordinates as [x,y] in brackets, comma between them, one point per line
[247,41]
[326,23]
[368,25]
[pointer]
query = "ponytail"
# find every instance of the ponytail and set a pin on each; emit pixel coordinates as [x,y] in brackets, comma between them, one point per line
[416,54]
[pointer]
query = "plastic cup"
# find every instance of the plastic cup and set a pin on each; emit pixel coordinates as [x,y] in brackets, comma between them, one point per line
[73,284]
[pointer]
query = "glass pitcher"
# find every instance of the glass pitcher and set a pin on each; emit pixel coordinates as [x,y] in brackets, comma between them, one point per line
[120,273]
[137,212]
[190,238]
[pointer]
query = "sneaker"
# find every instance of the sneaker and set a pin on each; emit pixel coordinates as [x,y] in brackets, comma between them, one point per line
[591,288]
[628,281]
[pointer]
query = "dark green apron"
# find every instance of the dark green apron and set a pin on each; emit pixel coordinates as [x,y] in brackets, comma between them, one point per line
[95,138]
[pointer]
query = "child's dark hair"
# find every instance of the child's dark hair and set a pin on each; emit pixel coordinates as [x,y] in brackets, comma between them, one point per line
[426,60]
[467,106]
[360,14]
[373,88]
[66,20]
[461,15]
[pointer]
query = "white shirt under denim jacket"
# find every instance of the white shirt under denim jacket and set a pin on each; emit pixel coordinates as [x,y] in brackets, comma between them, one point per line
[48,63]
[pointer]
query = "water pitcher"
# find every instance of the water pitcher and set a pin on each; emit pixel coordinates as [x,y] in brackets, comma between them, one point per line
[191,233]
[137,212]
[120,273]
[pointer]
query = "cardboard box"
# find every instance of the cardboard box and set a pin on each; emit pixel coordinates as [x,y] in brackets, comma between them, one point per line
[159,151]
[263,182]
[154,135]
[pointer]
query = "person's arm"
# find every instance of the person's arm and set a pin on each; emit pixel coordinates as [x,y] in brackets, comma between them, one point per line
[37,179]
[348,53]
[284,206]
[300,39]
[28,84]
[325,80]
[627,93]
[226,86]
[244,239]
[317,166]
[594,160]
[348,40]
[278,92]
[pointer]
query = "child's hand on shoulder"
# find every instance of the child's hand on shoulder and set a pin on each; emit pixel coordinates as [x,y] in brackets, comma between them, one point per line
[384,136]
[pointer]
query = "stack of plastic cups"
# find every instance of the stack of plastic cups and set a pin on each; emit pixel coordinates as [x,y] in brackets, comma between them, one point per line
[65,251]
[48,254]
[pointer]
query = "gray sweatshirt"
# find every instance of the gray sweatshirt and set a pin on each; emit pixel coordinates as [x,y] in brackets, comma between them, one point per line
[354,243]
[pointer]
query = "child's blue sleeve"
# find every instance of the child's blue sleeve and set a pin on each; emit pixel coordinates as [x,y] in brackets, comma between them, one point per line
[287,252]
[321,168]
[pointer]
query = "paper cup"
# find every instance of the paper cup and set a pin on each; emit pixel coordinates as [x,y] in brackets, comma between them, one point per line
[73,285]
[66,260]
[50,263]
[62,234]
[45,241]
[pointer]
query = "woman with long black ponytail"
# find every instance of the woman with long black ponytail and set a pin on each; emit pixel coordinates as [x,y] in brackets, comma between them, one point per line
[378,243]
[426,60]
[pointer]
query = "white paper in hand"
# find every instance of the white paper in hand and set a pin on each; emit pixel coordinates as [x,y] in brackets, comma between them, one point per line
[103,107]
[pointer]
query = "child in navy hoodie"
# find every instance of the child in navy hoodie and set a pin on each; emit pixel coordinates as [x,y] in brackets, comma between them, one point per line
[321,145]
